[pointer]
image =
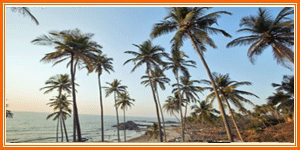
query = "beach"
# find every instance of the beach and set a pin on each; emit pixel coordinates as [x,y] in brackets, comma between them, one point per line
[172,133]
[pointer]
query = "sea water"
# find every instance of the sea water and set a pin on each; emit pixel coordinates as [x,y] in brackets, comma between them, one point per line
[33,127]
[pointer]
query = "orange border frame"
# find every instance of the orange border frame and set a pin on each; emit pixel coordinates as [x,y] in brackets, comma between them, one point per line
[145,3]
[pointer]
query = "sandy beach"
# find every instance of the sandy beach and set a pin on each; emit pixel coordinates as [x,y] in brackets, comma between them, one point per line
[172,133]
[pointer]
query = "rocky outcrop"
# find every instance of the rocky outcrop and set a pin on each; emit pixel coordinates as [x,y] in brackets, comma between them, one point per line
[129,125]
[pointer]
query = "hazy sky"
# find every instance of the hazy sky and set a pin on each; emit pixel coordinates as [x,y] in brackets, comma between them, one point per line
[116,29]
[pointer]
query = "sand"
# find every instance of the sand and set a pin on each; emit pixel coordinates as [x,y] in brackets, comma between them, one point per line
[172,133]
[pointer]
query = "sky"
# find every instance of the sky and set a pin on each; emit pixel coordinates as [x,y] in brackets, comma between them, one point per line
[116,29]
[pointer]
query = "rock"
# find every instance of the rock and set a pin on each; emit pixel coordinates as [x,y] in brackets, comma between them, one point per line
[171,122]
[129,125]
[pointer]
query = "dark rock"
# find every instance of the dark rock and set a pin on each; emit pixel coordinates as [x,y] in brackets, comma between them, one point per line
[172,122]
[129,125]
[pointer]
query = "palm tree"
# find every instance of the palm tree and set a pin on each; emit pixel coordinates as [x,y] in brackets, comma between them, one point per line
[204,112]
[172,105]
[287,85]
[60,82]
[154,131]
[25,12]
[228,91]
[116,88]
[266,31]
[150,55]
[78,47]
[157,78]
[102,62]
[194,24]
[124,102]
[281,100]
[178,63]
[61,104]
[284,96]
[189,90]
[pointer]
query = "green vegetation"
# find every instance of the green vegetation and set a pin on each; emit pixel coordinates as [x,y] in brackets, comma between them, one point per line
[188,23]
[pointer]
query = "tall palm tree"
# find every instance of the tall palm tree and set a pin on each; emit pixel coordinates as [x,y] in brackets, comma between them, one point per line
[157,78]
[194,24]
[25,12]
[189,90]
[124,101]
[266,31]
[150,55]
[102,62]
[204,112]
[78,47]
[178,63]
[60,82]
[61,104]
[116,88]
[227,88]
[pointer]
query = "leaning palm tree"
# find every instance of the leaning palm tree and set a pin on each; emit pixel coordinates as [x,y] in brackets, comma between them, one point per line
[228,91]
[150,55]
[194,24]
[102,62]
[157,78]
[61,104]
[266,31]
[73,45]
[179,64]
[116,88]
[124,101]
[60,82]
[25,12]
[204,112]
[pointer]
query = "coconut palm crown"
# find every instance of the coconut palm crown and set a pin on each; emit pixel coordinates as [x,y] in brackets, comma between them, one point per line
[266,31]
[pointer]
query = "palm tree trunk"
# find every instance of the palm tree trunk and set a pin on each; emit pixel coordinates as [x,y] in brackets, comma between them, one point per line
[180,108]
[101,109]
[57,130]
[214,88]
[75,112]
[156,105]
[232,117]
[124,126]
[162,116]
[117,118]
[59,105]
[65,130]
[187,100]
[61,128]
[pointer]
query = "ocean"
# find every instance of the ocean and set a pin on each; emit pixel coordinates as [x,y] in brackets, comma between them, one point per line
[33,127]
